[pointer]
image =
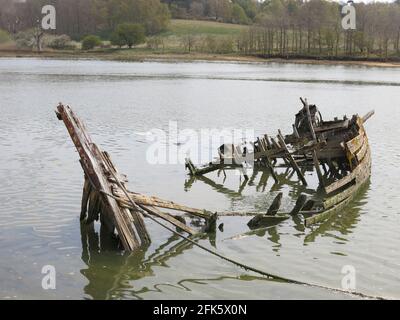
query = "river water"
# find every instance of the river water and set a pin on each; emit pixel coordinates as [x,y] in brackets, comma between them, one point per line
[41,180]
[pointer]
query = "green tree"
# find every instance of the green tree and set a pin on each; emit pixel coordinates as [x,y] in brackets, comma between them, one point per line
[129,34]
[90,42]
[238,15]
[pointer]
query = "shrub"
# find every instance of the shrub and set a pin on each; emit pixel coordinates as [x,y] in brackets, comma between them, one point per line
[128,34]
[25,39]
[155,43]
[60,42]
[90,42]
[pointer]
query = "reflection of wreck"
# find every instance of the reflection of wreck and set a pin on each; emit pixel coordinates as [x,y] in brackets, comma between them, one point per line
[338,150]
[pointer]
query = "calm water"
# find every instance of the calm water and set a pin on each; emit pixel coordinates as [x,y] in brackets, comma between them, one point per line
[41,180]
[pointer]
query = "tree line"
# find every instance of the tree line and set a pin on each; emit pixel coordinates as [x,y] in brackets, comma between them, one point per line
[78,18]
[303,28]
[275,27]
[293,27]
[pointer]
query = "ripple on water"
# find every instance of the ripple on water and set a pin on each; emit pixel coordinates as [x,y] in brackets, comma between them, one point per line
[41,179]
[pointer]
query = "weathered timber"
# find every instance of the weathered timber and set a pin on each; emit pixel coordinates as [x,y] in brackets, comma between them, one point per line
[342,199]
[362,152]
[368,115]
[157,202]
[317,168]
[265,220]
[117,180]
[292,161]
[309,120]
[155,212]
[363,165]
[343,124]
[340,145]
[276,204]
[85,198]
[333,200]
[93,166]
[355,144]
[299,204]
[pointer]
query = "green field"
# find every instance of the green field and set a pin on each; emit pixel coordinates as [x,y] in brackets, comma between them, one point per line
[196,27]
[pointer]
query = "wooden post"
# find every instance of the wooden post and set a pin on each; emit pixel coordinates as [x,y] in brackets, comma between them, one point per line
[317,167]
[296,133]
[309,120]
[276,204]
[292,161]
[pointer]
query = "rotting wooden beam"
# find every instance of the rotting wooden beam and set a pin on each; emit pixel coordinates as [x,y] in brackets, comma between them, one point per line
[93,165]
[162,215]
[368,115]
[160,203]
[292,161]
[318,169]
[309,120]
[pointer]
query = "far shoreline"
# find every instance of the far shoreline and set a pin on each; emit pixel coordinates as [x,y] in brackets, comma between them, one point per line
[141,56]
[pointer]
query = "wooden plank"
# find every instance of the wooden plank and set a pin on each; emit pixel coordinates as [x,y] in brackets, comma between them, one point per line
[317,167]
[168,218]
[334,125]
[276,204]
[85,198]
[295,132]
[301,201]
[332,201]
[355,144]
[342,199]
[264,220]
[368,115]
[309,120]
[327,213]
[157,202]
[269,145]
[93,165]
[362,152]
[292,161]
[351,176]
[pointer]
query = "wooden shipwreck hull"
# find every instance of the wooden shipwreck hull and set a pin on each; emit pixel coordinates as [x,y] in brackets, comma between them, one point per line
[338,150]
[105,196]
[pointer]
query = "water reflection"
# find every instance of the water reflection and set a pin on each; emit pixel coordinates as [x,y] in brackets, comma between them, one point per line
[284,177]
[110,271]
[343,222]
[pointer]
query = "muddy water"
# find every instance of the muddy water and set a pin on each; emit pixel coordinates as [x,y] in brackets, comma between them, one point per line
[41,180]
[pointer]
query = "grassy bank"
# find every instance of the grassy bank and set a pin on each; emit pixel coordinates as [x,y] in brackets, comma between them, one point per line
[191,40]
[201,28]
[135,55]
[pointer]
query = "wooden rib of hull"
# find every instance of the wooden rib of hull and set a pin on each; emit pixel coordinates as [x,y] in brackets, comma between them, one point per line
[360,176]
[357,148]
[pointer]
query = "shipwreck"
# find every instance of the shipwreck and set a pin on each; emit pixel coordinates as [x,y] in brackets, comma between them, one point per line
[337,150]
